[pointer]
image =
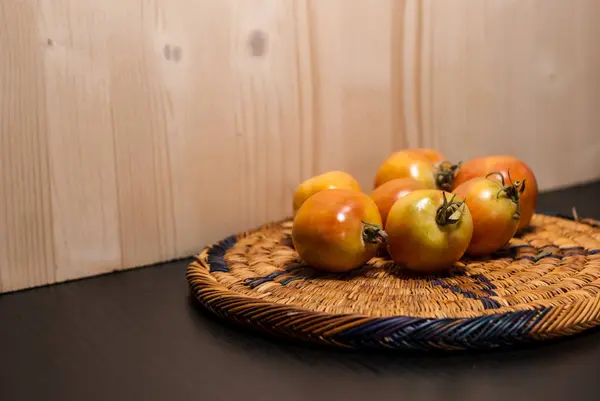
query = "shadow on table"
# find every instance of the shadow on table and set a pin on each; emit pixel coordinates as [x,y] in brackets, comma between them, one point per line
[392,361]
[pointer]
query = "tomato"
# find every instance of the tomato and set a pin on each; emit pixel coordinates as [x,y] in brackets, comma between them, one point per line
[428,230]
[329,180]
[388,193]
[337,230]
[495,211]
[411,164]
[432,155]
[519,171]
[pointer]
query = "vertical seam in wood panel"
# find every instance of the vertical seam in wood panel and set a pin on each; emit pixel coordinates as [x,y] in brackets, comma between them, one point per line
[299,84]
[117,187]
[50,205]
[168,102]
[315,86]
[154,132]
[167,145]
[418,73]
[46,198]
[433,139]
[398,139]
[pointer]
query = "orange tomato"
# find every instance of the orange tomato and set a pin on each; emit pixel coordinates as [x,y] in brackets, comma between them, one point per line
[411,164]
[519,171]
[495,211]
[329,180]
[389,192]
[337,230]
[428,230]
[432,155]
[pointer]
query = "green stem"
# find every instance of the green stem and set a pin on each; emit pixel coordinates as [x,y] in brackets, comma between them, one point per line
[374,234]
[445,173]
[450,212]
[513,190]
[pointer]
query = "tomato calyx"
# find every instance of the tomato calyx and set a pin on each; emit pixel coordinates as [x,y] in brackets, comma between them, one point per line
[373,234]
[513,190]
[445,173]
[450,212]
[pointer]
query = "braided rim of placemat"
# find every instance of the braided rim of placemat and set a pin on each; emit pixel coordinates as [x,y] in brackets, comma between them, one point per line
[537,320]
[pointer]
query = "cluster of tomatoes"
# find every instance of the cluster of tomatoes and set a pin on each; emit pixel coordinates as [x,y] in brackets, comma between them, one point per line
[425,211]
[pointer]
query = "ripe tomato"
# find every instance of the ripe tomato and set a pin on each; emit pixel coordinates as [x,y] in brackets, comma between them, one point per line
[389,192]
[432,155]
[495,211]
[411,164]
[519,171]
[337,230]
[428,230]
[329,180]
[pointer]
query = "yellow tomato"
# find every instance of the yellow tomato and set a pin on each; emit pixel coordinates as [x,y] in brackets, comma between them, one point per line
[428,230]
[337,230]
[329,180]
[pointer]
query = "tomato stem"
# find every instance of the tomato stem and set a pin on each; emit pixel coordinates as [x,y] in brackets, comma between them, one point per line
[513,191]
[445,173]
[450,212]
[374,234]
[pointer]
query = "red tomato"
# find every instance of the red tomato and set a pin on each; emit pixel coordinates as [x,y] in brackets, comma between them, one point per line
[388,193]
[337,230]
[428,230]
[519,171]
[411,164]
[495,211]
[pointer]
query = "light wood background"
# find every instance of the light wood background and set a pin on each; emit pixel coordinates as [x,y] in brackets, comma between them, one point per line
[138,131]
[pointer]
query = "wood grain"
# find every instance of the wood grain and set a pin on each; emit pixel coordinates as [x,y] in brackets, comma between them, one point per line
[74,42]
[139,132]
[26,244]
[353,57]
[517,77]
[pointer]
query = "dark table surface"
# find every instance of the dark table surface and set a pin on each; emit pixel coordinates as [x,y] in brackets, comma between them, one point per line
[138,335]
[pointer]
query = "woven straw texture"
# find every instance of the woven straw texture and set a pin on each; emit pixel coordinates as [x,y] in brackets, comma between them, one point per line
[544,284]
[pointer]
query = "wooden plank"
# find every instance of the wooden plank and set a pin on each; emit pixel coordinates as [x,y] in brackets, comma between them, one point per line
[240,139]
[353,73]
[194,59]
[26,251]
[140,105]
[80,137]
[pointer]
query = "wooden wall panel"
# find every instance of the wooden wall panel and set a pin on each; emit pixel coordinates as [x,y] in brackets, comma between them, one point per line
[518,77]
[26,244]
[136,132]
[73,40]
[353,54]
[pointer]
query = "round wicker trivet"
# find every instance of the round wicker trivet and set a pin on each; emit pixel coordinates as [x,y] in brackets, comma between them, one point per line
[544,284]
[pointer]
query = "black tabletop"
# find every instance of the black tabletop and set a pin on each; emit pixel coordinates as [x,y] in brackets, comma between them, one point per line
[138,335]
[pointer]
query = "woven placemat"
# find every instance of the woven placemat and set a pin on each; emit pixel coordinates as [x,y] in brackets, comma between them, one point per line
[544,284]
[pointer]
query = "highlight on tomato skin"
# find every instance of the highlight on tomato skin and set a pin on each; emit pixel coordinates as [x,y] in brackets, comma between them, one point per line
[388,193]
[428,230]
[405,165]
[337,230]
[495,210]
[321,182]
[419,165]
[519,171]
